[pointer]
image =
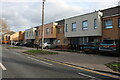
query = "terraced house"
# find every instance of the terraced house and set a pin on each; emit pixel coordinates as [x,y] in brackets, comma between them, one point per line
[61,40]
[111,23]
[6,37]
[30,35]
[49,33]
[84,28]
[17,37]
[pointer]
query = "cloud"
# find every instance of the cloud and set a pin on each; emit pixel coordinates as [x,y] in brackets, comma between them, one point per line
[23,14]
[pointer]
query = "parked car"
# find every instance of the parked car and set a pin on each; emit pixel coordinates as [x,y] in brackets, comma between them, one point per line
[30,44]
[109,46]
[47,45]
[91,47]
[19,44]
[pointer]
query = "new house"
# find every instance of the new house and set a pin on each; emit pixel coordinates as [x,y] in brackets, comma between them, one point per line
[61,40]
[30,35]
[111,23]
[17,37]
[84,28]
[49,33]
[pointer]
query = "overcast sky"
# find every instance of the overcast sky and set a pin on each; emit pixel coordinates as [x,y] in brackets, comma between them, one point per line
[24,14]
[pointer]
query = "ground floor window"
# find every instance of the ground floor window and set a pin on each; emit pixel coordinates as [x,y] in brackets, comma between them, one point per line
[83,40]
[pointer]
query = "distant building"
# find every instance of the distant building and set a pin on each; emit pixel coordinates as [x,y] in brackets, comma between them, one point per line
[17,37]
[6,37]
[30,35]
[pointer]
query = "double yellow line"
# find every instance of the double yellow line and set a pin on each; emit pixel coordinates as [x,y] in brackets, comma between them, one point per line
[112,76]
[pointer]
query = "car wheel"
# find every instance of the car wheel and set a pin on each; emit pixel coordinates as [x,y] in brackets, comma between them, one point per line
[46,47]
[86,52]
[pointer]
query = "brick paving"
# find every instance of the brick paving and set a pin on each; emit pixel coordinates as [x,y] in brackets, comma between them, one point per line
[91,61]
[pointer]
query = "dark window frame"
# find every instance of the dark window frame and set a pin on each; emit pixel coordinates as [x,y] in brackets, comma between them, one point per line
[84,27]
[59,30]
[47,31]
[95,23]
[66,28]
[106,26]
[74,27]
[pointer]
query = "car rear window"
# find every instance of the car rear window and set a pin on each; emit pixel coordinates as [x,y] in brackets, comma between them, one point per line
[108,42]
[49,43]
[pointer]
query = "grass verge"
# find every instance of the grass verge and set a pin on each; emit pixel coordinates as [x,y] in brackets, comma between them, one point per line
[68,50]
[115,66]
[39,52]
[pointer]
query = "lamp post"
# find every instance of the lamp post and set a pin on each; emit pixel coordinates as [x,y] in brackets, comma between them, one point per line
[42,24]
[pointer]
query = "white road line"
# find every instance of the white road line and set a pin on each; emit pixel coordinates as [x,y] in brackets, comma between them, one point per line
[39,60]
[3,67]
[86,75]
[17,53]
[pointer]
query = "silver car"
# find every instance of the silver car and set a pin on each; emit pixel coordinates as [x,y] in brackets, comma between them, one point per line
[108,46]
[47,45]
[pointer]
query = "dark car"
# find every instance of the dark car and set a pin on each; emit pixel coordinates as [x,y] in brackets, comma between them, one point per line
[19,44]
[30,44]
[109,46]
[91,47]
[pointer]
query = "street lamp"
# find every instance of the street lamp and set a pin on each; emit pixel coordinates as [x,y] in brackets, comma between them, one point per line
[42,24]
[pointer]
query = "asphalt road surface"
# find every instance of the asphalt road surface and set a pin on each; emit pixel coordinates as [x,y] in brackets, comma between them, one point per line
[18,65]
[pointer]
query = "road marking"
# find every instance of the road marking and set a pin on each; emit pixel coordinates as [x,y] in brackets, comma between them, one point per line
[3,67]
[108,75]
[17,53]
[39,60]
[87,75]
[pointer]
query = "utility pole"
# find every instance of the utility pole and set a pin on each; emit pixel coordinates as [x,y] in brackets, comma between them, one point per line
[118,29]
[42,24]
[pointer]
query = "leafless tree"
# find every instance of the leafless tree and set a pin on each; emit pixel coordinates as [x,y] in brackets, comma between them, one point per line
[4,28]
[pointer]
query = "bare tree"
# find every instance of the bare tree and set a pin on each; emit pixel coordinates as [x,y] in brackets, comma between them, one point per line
[4,28]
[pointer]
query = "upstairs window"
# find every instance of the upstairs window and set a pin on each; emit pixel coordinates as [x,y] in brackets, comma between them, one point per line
[74,27]
[66,28]
[119,22]
[47,30]
[108,24]
[59,30]
[85,25]
[95,23]
[27,34]
[51,30]
[36,32]
[31,33]
[39,32]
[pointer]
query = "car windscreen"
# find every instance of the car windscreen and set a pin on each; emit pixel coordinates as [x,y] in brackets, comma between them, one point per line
[108,42]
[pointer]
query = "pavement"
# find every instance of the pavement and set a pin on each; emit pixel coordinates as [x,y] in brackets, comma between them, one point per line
[91,61]
[20,65]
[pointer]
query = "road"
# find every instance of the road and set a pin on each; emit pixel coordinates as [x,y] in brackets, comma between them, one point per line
[19,65]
